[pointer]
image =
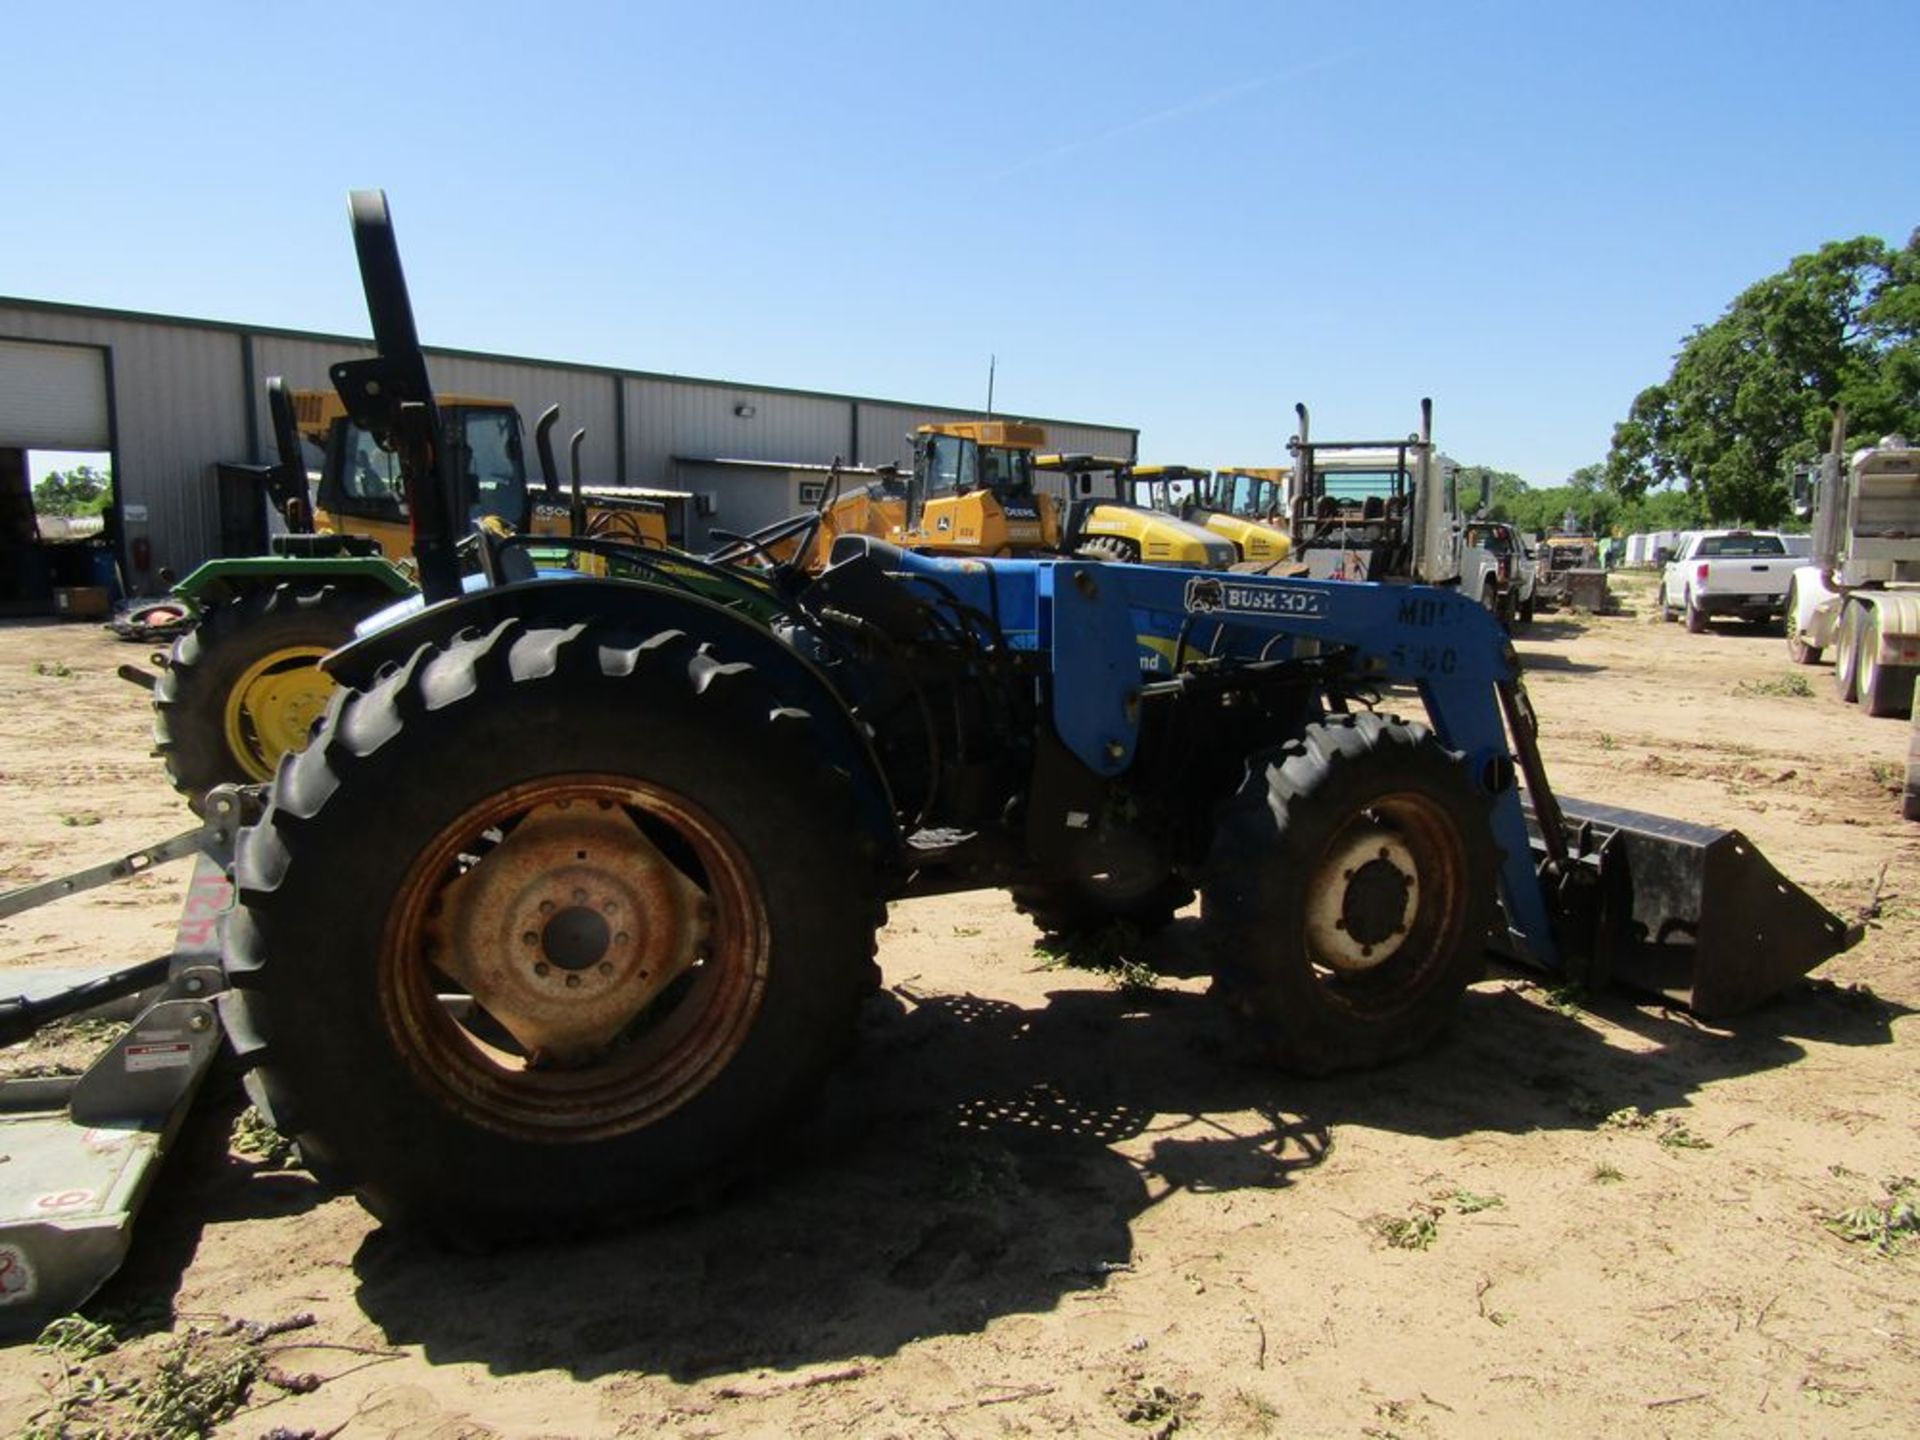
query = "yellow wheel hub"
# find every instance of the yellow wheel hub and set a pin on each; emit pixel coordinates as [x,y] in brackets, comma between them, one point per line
[272,706]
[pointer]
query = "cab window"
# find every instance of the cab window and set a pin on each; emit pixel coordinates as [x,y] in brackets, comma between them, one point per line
[1005,471]
[495,478]
[952,464]
[1739,545]
[360,479]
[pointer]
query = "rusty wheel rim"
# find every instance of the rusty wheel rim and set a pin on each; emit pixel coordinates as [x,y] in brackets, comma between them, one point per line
[1386,905]
[574,957]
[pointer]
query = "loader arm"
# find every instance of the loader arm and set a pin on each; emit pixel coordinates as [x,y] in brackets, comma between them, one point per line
[1690,911]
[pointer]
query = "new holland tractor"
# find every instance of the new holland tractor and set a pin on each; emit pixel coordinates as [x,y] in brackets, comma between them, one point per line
[619,851]
[571,903]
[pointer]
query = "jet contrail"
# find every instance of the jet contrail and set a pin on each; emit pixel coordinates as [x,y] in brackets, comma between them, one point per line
[1173,112]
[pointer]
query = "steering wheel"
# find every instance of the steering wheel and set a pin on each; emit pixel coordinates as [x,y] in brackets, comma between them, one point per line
[736,547]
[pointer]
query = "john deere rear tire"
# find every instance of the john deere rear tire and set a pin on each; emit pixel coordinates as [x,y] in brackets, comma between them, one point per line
[241,688]
[1351,890]
[1110,548]
[627,856]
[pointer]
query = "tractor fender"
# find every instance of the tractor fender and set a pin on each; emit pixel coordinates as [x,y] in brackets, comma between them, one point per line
[219,581]
[648,608]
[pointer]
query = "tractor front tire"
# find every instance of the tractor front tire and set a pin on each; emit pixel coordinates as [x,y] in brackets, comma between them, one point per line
[243,687]
[1352,889]
[549,930]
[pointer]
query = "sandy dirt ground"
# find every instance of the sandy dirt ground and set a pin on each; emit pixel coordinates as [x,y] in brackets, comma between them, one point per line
[1041,1202]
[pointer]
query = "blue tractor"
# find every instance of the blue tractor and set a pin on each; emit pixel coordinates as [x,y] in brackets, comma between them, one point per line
[572,900]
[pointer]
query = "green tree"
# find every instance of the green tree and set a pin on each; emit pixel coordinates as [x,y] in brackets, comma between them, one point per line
[80,491]
[1751,392]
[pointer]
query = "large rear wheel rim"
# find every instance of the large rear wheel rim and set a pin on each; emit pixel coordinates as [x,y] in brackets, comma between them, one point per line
[556,911]
[1386,905]
[271,707]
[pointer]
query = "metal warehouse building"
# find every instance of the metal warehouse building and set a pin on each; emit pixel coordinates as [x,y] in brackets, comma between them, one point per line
[168,397]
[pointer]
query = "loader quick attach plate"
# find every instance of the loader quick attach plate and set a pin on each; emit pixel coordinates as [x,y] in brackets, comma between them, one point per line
[1691,912]
[80,1152]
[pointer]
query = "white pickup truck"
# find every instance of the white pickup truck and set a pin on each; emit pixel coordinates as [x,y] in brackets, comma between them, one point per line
[1743,573]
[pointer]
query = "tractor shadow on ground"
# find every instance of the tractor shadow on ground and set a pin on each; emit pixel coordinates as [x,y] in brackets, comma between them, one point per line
[202,1183]
[977,1158]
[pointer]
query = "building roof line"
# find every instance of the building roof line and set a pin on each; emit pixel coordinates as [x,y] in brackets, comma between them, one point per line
[102,312]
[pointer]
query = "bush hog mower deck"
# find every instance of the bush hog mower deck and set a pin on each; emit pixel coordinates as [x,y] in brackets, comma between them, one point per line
[572,899]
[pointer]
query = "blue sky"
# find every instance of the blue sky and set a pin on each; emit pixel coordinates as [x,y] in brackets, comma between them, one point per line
[1180,217]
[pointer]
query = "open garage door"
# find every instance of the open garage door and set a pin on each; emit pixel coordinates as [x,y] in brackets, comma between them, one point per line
[53,398]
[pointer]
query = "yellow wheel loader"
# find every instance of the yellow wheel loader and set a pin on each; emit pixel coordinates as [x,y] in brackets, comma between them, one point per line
[1248,504]
[1108,518]
[1187,493]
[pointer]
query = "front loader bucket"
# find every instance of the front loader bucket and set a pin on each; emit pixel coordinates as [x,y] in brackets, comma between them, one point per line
[1691,912]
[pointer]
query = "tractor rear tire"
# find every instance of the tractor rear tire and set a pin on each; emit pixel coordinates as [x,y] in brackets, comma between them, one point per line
[241,688]
[1363,835]
[1083,907]
[481,822]
[1109,549]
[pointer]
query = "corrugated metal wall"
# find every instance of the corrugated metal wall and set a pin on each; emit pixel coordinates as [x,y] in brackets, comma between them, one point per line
[189,393]
[666,418]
